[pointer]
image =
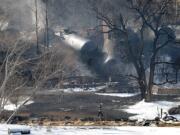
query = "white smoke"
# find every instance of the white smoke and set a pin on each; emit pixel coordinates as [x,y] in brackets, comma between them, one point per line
[108,49]
[3,25]
[40,13]
[73,40]
[20,14]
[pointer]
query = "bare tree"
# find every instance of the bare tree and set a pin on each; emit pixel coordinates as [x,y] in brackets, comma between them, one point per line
[10,81]
[147,14]
[51,64]
[46,67]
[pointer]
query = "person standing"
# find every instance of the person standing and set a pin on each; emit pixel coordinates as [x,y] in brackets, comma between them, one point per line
[100,112]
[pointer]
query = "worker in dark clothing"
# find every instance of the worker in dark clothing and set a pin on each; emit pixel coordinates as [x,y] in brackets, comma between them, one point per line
[100,113]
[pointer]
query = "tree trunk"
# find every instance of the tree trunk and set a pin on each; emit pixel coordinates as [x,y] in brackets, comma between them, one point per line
[142,84]
[151,80]
[139,69]
[142,89]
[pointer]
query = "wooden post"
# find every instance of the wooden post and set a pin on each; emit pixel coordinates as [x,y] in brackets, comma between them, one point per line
[161,112]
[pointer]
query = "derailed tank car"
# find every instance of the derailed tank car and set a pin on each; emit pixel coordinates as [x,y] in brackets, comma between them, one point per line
[88,50]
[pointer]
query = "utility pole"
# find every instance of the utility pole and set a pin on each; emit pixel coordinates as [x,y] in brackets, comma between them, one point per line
[37,36]
[47,26]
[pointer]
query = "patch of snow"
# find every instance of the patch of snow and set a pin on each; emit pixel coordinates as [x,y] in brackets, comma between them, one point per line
[77,89]
[177,116]
[118,94]
[144,110]
[116,101]
[65,130]
[11,107]
[80,90]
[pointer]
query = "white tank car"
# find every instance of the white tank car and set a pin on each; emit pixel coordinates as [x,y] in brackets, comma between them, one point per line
[76,42]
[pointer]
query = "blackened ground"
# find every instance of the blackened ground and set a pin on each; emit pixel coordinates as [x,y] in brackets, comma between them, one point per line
[79,106]
[84,106]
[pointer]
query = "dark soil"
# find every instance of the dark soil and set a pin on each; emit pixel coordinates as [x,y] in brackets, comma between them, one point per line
[81,106]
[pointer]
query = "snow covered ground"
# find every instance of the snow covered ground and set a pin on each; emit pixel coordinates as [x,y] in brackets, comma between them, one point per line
[94,130]
[118,94]
[151,110]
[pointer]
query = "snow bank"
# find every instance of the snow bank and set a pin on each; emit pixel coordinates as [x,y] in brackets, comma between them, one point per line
[63,130]
[118,94]
[151,110]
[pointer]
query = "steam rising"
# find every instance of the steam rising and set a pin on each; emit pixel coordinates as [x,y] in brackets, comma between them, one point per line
[76,41]
[76,15]
[20,14]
